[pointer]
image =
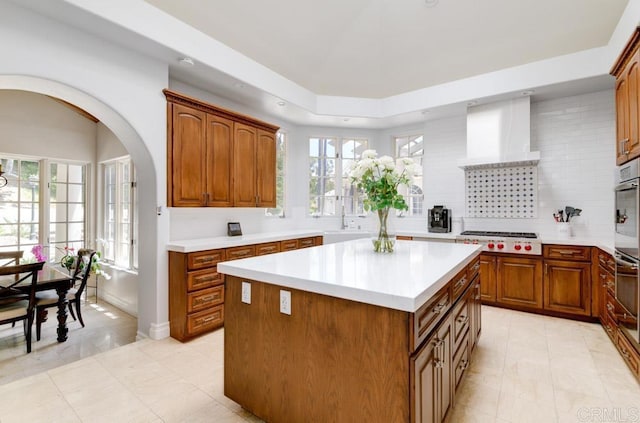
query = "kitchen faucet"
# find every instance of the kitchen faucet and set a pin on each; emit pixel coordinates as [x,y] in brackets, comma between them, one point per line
[344,225]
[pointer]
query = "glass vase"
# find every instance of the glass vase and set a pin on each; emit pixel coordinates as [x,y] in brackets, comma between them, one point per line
[383,243]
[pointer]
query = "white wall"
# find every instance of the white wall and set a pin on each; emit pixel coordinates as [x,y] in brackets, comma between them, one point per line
[123,89]
[576,139]
[37,126]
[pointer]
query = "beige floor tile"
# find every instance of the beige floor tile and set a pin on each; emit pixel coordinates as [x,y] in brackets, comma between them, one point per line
[515,408]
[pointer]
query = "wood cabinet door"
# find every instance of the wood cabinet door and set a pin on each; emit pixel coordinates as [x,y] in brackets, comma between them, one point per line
[488,277]
[633,146]
[622,119]
[519,281]
[219,161]
[431,378]
[567,287]
[187,159]
[244,165]
[266,169]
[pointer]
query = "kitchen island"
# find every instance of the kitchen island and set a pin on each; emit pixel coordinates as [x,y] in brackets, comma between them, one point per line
[340,333]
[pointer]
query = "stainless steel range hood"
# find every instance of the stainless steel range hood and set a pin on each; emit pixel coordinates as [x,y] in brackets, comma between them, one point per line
[498,135]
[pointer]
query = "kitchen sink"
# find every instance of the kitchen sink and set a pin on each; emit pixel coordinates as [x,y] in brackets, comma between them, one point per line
[331,237]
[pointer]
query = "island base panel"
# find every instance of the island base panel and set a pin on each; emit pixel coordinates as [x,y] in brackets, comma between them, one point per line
[331,360]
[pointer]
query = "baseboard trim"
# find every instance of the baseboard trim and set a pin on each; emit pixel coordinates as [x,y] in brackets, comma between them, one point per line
[159,330]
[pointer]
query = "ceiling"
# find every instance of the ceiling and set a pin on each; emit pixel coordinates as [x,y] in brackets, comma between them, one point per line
[381,48]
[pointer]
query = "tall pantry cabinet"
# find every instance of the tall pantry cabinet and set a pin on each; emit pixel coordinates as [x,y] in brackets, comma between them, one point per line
[218,158]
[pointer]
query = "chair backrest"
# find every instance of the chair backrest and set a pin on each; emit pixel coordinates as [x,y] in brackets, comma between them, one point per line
[10,258]
[83,268]
[26,275]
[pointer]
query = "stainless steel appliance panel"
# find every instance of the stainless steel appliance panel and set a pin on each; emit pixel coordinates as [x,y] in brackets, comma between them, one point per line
[627,210]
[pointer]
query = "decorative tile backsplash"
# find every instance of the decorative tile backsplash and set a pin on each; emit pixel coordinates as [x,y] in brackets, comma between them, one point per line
[510,192]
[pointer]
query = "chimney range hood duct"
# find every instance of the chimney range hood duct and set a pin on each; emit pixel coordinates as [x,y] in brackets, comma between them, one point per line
[498,135]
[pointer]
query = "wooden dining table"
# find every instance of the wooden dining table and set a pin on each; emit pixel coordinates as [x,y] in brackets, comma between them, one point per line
[51,277]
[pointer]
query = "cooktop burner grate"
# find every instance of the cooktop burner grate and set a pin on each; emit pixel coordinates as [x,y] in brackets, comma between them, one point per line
[501,234]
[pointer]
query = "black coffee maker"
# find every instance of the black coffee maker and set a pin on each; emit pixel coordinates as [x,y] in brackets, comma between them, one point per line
[439,219]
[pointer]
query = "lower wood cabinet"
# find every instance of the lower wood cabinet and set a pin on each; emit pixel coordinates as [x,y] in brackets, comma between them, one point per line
[488,277]
[567,287]
[519,281]
[197,290]
[431,371]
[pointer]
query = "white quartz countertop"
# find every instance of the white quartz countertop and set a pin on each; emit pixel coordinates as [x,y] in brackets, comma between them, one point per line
[200,244]
[402,280]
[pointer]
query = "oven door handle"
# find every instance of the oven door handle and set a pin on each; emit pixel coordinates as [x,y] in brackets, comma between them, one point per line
[627,186]
[625,262]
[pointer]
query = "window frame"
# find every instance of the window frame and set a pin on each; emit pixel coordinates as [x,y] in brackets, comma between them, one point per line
[338,178]
[281,174]
[113,250]
[411,199]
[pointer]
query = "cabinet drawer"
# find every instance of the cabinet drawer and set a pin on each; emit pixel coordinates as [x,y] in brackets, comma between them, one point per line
[201,279]
[567,252]
[613,308]
[461,361]
[474,268]
[459,284]
[205,299]
[429,315]
[202,259]
[605,260]
[606,279]
[267,248]
[629,353]
[306,242]
[288,245]
[241,252]
[204,321]
[460,324]
[609,326]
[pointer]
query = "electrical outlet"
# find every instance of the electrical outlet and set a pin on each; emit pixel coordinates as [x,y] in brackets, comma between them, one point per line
[246,292]
[285,302]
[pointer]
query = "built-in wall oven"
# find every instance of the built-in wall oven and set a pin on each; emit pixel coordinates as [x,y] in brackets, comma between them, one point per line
[627,247]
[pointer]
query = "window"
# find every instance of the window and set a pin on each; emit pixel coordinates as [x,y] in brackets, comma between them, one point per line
[412,146]
[330,187]
[67,218]
[281,162]
[120,214]
[20,205]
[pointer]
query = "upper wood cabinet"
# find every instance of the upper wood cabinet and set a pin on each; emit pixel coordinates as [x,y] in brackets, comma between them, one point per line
[627,96]
[216,157]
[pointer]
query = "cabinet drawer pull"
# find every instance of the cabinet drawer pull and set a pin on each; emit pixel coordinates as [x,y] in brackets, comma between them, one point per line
[610,307]
[461,282]
[207,298]
[209,319]
[603,276]
[476,266]
[438,363]
[206,259]
[567,252]
[608,328]
[205,278]
[463,319]
[438,309]
[464,364]
[625,353]
[438,342]
[477,297]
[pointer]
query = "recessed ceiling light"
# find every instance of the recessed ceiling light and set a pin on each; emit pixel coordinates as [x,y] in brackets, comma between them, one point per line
[346,119]
[281,103]
[186,61]
[426,112]
[527,92]
[431,3]
[238,85]
[472,103]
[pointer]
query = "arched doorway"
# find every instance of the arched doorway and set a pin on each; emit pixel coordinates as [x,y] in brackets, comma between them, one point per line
[151,309]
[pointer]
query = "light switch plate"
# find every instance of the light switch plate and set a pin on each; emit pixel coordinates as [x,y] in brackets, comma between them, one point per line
[285,302]
[246,292]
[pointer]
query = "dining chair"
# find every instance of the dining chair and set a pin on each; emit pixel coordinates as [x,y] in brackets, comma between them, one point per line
[49,298]
[9,258]
[16,304]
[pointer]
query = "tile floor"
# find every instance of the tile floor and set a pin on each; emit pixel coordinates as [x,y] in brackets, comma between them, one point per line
[106,327]
[527,368]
